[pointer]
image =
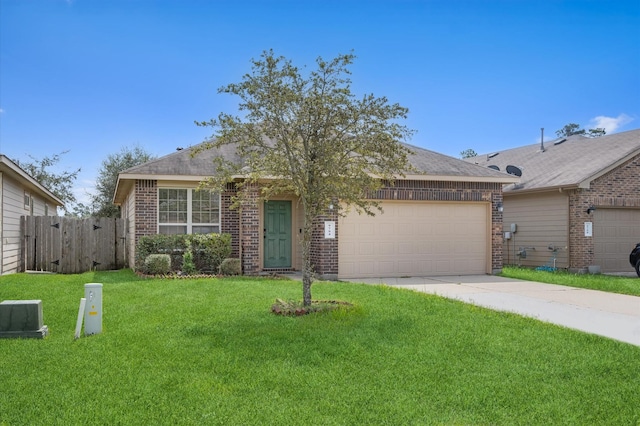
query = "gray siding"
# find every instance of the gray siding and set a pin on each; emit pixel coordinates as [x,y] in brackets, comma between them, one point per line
[541,220]
[12,209]
[12,198]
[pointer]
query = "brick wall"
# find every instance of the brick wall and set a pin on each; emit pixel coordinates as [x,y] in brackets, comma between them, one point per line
[618,188]
[146,210]
[325,252]
[230,220]
[250,232]
[146,213]
[244,224]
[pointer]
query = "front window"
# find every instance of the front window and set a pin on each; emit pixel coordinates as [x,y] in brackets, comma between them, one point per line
[188,211]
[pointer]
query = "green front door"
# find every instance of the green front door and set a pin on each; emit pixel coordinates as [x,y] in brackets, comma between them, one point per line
[277,234]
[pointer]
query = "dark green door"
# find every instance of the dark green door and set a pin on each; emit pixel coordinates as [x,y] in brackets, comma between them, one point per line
[277,234]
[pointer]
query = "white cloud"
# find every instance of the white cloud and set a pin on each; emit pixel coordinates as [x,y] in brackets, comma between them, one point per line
[84,191]
[610,124]
[1,110]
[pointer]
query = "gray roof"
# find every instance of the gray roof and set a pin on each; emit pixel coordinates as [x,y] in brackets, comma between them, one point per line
[182,163]
[574,162]
[432,163]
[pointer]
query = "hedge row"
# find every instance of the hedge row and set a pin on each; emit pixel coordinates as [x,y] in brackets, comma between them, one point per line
[207,251]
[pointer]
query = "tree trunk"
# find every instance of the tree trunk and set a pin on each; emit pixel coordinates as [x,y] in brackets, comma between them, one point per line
[307,269]
[306,288]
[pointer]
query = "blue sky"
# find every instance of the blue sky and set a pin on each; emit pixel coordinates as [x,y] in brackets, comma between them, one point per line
[94,76]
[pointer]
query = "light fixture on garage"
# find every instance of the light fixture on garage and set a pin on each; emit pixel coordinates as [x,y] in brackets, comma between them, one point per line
[591,209]
[499,206]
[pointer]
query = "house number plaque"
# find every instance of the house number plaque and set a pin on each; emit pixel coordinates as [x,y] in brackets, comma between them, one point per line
[329,229]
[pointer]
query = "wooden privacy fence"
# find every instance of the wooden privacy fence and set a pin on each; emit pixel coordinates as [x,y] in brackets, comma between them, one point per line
[71,246]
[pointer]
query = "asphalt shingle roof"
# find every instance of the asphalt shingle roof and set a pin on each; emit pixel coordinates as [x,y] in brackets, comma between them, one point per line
[182,163]
[570,163]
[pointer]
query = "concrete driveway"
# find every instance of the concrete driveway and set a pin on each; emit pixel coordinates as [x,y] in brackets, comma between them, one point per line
[607,314]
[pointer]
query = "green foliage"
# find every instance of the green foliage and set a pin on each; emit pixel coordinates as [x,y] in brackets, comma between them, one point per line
[574,129]
[157,264]
[59,183]
[107,179]
[309,135]
[231,266]
[210,352]
[188,267]
[173,245]
[468,153]
[207,251]
[602,282]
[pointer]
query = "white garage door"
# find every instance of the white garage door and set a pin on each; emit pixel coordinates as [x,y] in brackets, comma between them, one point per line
[615,233]
[415,239]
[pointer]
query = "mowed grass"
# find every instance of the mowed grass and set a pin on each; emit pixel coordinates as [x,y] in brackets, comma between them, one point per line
[209,351]
[609,283]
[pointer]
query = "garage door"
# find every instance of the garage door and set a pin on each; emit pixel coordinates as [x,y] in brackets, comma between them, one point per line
[615,233]
[415,239]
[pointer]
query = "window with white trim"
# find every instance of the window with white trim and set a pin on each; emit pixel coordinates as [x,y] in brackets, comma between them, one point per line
[27,200]
[188,211]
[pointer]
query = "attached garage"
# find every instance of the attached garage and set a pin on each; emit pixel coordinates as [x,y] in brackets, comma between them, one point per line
[414,238]
[615,233]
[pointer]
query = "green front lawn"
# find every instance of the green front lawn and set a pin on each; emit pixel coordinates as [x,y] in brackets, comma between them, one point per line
[612,284]
[209,351]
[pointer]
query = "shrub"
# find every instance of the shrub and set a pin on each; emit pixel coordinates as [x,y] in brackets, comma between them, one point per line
[172,245]
[188,267]
[157,264]
[207,251]
[230,266]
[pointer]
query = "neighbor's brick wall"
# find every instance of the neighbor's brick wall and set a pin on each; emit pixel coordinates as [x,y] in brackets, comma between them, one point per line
[618,188]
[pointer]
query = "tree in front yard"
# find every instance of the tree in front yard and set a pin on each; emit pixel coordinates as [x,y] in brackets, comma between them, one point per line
[310,136]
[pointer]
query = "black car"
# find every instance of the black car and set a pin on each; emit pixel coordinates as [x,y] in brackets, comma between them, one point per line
[634,258]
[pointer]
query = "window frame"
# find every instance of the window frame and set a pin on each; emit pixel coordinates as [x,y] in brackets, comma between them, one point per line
[28,201]
[189,224]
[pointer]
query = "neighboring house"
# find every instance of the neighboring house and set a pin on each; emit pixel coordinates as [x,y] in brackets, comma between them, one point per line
[442,220]
[20,195]
[577,195]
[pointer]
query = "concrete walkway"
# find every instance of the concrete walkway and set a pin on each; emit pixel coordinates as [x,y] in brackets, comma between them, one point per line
[607,314]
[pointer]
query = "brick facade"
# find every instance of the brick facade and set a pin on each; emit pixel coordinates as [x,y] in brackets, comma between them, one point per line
[250,231]
[325,252]
[244,224]
[230,219]
[618,188]
[146,208]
